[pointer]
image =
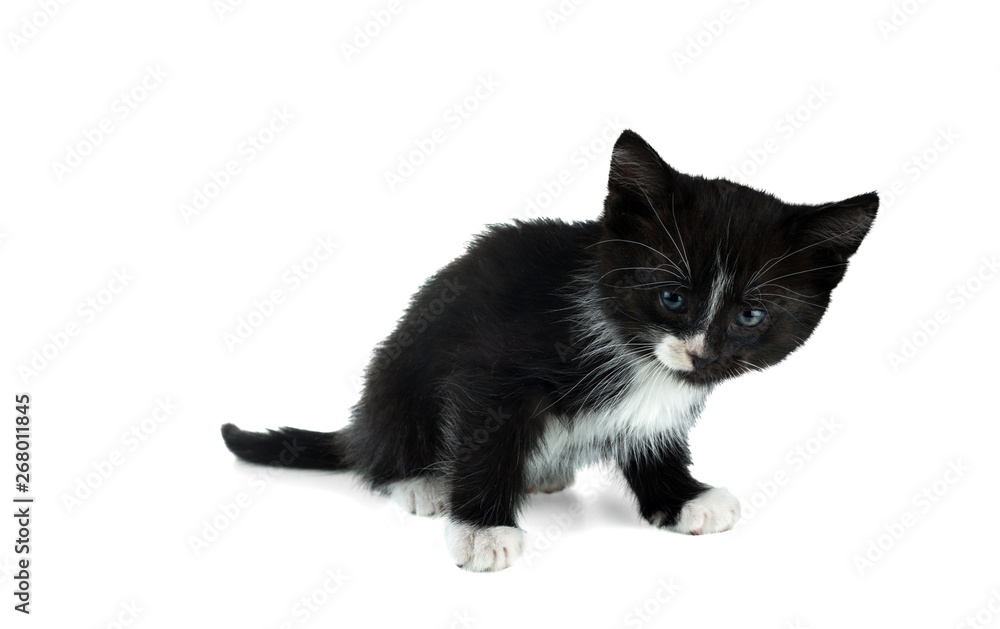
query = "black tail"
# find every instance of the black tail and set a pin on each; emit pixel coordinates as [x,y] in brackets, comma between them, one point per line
[288,447]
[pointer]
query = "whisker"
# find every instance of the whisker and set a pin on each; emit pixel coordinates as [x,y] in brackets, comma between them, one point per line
[808,303]
[684,256]
[638,268]
[634,242]
[747,362]
[660,285]
[785,288]
[767,266]
[785,309]
[818,268]
[665,231]
[787,255]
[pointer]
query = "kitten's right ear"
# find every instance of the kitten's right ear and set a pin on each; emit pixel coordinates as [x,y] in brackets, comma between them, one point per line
[840,227]
[638,172]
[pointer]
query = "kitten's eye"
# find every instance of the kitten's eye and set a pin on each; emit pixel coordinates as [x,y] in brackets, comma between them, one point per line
[750,318]
[673,301]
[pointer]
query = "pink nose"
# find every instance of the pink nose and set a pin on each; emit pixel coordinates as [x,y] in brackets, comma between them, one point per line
[697,349]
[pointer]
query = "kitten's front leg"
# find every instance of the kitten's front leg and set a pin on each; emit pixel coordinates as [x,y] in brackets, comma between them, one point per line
[486,488]
[670,498]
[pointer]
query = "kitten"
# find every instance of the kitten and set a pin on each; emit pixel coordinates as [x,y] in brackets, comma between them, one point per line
[549,346]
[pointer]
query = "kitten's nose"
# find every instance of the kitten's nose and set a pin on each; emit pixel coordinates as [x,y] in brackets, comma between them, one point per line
[698,349]
[700,362]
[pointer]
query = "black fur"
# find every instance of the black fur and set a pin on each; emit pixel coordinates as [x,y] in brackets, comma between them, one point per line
[287,447]
[545,321]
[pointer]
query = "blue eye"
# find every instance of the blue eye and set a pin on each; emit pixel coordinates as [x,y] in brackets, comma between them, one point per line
[750,318]
[673,301]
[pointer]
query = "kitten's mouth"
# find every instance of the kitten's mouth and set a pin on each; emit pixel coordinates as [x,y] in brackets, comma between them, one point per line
[712,375]
[703,377]
[708,376]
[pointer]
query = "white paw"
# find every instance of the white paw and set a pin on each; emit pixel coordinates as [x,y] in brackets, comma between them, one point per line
[421,496]
[712,511]
[483,549]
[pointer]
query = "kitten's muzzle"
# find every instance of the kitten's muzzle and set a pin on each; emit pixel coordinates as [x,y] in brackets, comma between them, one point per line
[701,362]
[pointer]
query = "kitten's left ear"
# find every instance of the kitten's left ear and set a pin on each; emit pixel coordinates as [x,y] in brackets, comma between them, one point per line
[638,171]
[840,227]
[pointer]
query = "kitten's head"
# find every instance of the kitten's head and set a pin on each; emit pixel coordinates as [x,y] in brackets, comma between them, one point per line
[713,278]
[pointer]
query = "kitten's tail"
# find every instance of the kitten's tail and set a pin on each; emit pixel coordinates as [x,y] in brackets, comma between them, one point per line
[288,447]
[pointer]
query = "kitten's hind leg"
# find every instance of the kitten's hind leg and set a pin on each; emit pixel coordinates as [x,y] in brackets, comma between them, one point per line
[423,495]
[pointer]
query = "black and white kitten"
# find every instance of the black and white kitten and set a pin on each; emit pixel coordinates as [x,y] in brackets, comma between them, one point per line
[548,346]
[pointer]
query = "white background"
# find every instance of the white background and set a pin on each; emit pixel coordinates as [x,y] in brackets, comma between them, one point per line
[910,108]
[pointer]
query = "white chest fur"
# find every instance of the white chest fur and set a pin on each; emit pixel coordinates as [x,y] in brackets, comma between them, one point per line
[655,408]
